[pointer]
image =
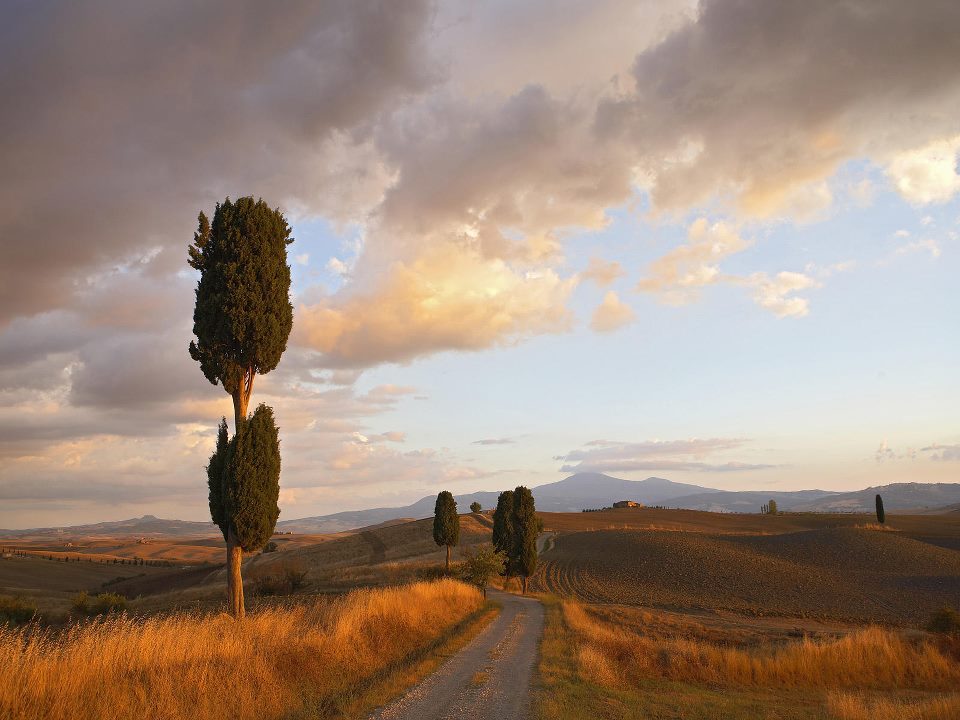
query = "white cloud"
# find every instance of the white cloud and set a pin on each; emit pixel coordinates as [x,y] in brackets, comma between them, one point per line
[652,455]
[928,174]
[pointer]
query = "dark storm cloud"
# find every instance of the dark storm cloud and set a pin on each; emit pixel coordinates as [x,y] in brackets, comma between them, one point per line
[121,120]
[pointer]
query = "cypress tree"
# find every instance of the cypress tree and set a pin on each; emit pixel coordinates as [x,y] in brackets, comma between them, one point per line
[525,527]
[503,527]
[242,319]
[446,522]
[215,478]
[772,507]
[881,515]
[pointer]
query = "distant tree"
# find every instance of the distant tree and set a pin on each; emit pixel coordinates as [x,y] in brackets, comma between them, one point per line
[482,565]
[764,509]
[242,319]
[523,559]
[881,515]
[475,507]
[503,526]
[446,523]
[772,507]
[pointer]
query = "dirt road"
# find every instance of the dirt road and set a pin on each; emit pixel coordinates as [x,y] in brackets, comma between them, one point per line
[489,678]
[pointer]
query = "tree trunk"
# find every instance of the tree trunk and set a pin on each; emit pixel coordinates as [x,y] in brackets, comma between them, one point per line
[448,559]
[524,585]
[234,579]
[241,398]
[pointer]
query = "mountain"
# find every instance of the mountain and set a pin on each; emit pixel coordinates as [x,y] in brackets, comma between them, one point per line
[896,497]
[572,494]
[146,526]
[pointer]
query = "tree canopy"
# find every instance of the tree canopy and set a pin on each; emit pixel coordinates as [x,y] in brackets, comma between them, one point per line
[243,316]
[503,524]
[446,522]
[525,529]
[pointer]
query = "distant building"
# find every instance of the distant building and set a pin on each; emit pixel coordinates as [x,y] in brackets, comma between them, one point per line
[627,504]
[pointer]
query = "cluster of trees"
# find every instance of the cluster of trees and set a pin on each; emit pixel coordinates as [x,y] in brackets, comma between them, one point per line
[770,508]
[515,530]
[242,319]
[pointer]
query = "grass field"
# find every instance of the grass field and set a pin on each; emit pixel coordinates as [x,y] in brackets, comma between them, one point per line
[626,662]
[318,659]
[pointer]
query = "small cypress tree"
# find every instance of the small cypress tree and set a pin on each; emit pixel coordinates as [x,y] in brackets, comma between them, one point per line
[773,507]
[446,522]
[525,525]
[881,515]
[475,507]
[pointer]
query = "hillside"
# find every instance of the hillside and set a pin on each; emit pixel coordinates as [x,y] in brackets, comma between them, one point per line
[840,573]
[896,497]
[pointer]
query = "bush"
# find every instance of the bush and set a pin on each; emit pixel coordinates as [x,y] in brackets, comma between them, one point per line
[14,610]
[102,604]
[946,620]
[475,507]
[290,579]
[270,547]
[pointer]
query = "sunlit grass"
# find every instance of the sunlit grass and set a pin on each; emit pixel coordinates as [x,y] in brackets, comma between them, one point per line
[301,661]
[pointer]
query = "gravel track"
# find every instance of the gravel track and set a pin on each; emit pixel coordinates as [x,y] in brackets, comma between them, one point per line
[489,678]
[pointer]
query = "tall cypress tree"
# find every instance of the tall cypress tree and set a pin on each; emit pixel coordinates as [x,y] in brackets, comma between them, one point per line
[446,522]
[503,527]
[881,515]
[525,529]
[242,319]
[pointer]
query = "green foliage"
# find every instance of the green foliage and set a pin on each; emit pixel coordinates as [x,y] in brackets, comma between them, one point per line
[270,547]
[503,525]
[215,478]
[946,620]
[525,524]
[881,515]
[446,522]
[15,610]
[251,480]
[100,605]
[475,507]
[482,565]
[773,507]
[243,315]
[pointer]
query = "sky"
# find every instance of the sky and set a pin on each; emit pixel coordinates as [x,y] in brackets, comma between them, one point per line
[716,242]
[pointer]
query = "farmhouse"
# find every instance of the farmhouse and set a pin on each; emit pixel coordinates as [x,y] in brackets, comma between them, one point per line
[627,504]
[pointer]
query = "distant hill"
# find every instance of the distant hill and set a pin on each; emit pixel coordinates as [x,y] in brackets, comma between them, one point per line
[146,526]
[572,494]
[747,501]
[896,497]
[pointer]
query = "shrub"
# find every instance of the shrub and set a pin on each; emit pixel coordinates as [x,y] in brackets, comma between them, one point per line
[286,582]
[15,610]
[475,507]
[81,602]
[946,620]
[270,547]
[295,576]
[102,604]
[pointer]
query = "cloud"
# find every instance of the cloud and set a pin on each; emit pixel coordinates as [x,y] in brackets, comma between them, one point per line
[744,103]
[612,314]
[495,441]
[654,455]
[677,277]
[927,174]
[942,453]
[183,106]
[448,300]
[928,245]
[776,293]
[602,272]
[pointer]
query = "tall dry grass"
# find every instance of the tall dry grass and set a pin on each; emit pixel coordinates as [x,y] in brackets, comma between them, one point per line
[871,658]
[848,706]
[275,663]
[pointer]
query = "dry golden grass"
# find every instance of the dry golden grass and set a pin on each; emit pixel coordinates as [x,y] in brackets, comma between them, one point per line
[308,660]
[876,526]
[847,706]
[870,658]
